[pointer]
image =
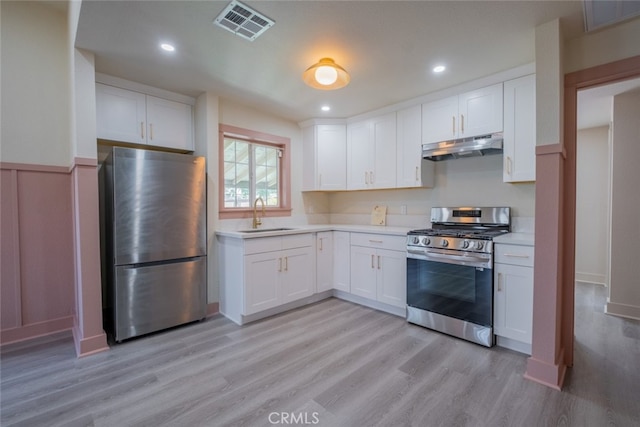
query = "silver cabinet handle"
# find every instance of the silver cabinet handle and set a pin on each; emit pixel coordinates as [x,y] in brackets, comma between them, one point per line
[286,263]
[462,123]
[151,131]
[279,264]
[508,165]
[378,262]
[320,180]
[417,170]
[375,241]
[372,258]
[142,130]
[320,240]
[453,126]
[517,255]
[499,282]
[371,179]
[366,177]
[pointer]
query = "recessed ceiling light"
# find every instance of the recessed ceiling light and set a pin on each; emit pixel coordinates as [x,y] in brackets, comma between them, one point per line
[167,47]
[325,108]
[439,69]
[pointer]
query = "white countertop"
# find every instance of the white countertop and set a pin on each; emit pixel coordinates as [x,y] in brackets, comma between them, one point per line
[522,239]
[298,229]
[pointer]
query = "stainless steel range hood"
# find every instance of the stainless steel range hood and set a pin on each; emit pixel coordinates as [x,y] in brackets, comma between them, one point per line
[460,148]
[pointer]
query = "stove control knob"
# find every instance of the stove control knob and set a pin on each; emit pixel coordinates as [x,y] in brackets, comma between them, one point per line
[445,243]
[465,244]
[479,245]
[426,241]
[416,240]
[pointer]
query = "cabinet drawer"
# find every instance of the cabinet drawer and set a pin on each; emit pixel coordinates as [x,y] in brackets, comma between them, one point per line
[383,241]
[262,244]
[297,241]
[514,255]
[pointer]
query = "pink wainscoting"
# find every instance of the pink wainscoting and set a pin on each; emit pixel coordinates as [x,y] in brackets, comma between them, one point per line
[37,279]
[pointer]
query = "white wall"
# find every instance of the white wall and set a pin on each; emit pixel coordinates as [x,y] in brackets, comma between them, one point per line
[473,181]
[624,290]
[592,205]
[235,114]
[36,84]
[602,47]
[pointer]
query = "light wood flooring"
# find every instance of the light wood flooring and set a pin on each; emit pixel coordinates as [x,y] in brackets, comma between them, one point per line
[335,363]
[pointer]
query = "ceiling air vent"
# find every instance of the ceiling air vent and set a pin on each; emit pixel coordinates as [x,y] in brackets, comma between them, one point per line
[243,21]
[602,13]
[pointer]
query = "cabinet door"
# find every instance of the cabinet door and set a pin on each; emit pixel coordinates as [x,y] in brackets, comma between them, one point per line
[359,155]
[481,111]
[383,174]
[409,147]
[392,277]
[169,124]
[513,302]
[363,272]
[262,275]
[296,282]
[331,155]
[341,261]
[120,114]
[520,129]
[324,261]
[440,120]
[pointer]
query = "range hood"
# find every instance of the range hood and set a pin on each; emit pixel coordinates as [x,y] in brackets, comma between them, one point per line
[460,148]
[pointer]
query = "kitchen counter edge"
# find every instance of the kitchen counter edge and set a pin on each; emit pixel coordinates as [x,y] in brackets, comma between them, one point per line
[373,229]
[521,239]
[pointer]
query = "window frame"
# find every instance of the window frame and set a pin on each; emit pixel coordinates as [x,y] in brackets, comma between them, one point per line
[252,136]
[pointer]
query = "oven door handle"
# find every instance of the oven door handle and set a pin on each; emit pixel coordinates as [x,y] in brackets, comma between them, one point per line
[449,258]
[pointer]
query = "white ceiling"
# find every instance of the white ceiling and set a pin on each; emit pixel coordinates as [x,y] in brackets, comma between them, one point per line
[388,47]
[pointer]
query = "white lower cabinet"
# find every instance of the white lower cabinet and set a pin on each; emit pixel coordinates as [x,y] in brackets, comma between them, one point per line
[341,261]
[378,268]
[324,261]
[513,296]
[265,273]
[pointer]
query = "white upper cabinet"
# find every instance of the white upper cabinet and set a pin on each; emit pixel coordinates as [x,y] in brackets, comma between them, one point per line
[129,116]
[371,153]
[411,170]
[470,114]
[121,114]
[169,124]
[520,129]
[324,158]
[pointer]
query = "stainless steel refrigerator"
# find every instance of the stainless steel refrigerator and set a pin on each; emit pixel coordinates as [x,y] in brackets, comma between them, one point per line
[153,219]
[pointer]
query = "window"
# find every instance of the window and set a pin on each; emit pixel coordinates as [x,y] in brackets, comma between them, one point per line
[253,165]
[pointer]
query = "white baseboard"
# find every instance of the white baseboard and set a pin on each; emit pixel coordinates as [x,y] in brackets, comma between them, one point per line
[598,279]
[622,310]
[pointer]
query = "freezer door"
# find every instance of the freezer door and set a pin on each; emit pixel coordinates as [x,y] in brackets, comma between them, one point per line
[151,298]
[159,206]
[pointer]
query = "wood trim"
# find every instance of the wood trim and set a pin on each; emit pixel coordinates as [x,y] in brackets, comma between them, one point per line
[285,185]
[602,74]
[543,150]
[35,330]
[595,76]
[28,167]
[213,308]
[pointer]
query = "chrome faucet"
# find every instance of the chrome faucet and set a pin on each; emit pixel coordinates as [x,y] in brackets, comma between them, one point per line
[257,221]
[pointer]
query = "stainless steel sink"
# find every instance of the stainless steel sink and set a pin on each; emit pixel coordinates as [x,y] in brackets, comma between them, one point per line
[265,230]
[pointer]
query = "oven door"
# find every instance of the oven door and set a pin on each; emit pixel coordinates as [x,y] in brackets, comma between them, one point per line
[450,284]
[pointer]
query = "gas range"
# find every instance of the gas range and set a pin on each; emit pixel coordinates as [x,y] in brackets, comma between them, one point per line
[456,238]
[449,271]
[462,229]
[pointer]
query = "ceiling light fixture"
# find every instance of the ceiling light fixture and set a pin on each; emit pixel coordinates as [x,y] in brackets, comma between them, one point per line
[167,47]
[326,75]
[325,108]
[439,68]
